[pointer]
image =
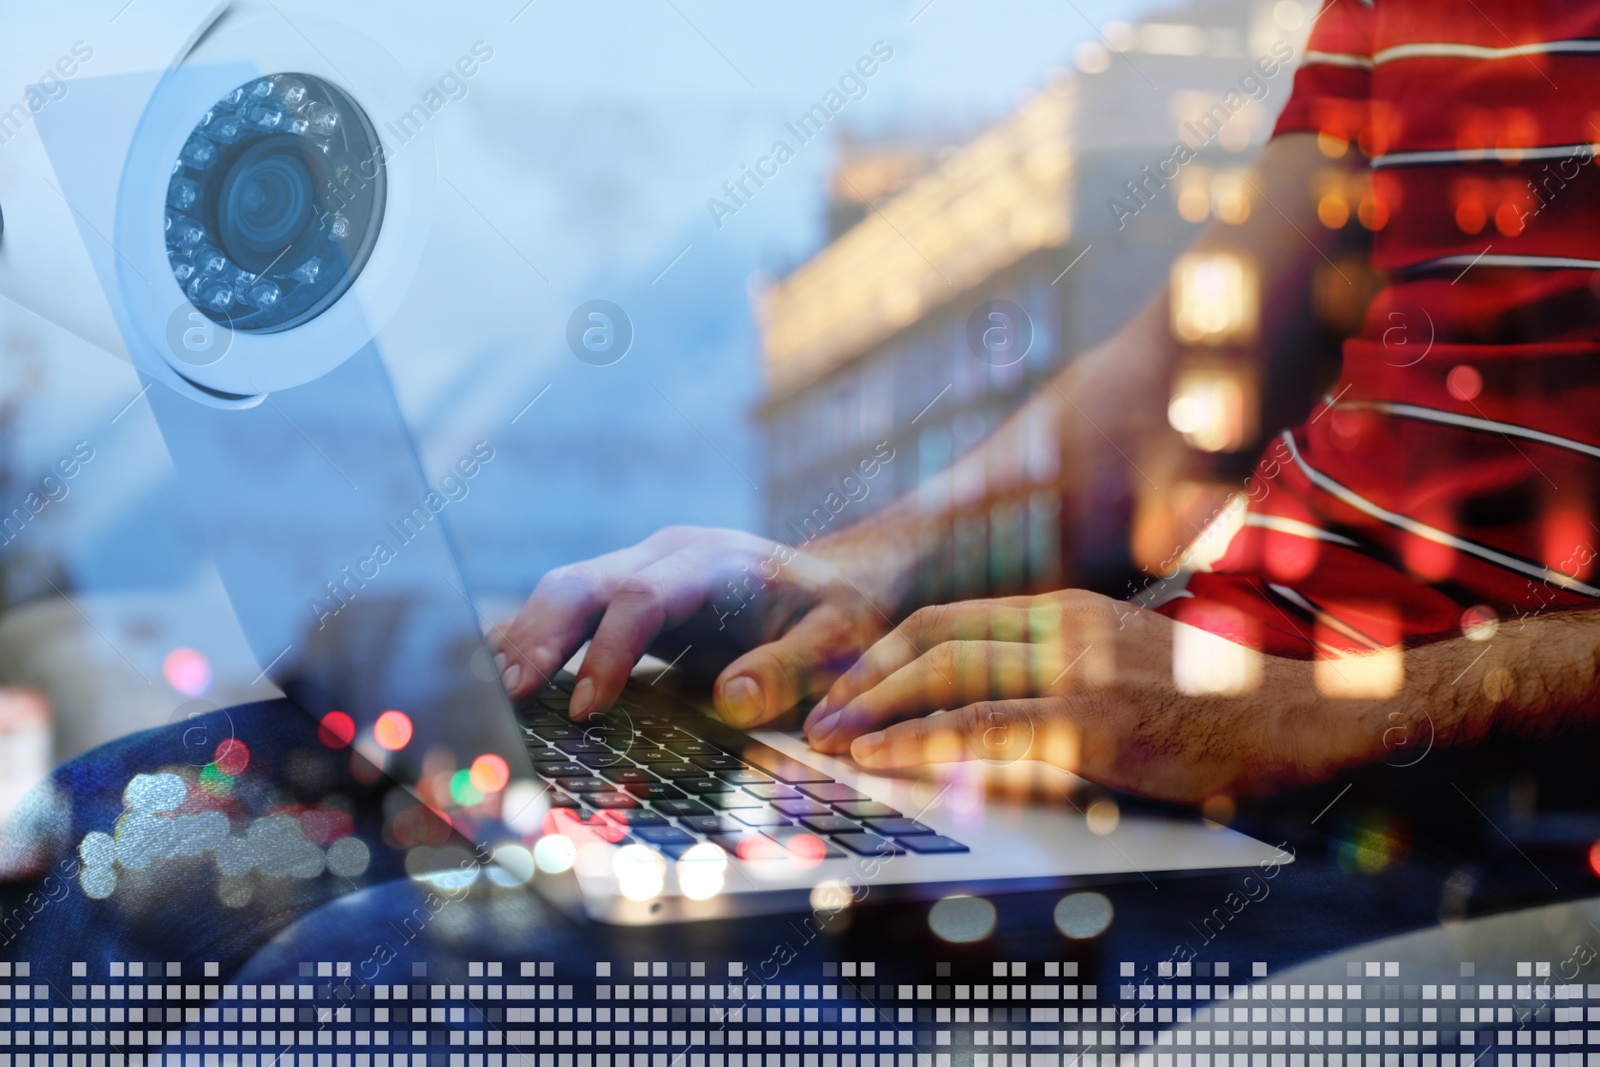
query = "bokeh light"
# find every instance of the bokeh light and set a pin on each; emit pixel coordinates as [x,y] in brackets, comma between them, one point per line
[215,782]
[462,791]
[187,671]
[392,731]
[348,857]
[831,894]
[1103,816]
[554,853]
[1479,623]
[641,872]
[513,865]
[1594,857]
[489,773]
[1464,382]
[701,871]
[1083,915]
[524,806]
[960,919]
[231,757]
[336,730]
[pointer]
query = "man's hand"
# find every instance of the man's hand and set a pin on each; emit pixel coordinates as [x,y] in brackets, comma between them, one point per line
[1087,683]
[798,620]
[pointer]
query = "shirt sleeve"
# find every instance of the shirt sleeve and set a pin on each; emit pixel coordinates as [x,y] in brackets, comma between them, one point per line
[1332,87]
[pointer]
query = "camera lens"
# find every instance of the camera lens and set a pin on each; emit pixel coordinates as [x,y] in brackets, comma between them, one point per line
[275,203]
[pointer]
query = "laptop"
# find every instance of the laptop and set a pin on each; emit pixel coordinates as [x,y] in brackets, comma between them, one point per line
[739,823]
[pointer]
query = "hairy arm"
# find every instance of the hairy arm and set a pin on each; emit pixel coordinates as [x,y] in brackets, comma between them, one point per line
[1530,678]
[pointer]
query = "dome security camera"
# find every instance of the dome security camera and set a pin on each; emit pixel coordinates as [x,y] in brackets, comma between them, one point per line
[246,221]
[229,196]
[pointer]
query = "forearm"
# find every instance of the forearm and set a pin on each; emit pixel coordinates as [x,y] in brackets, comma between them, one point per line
[1530,678]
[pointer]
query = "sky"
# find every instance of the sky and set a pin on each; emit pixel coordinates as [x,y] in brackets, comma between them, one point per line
[577,167]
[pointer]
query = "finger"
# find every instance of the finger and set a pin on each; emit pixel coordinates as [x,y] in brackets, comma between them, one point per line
[925,629]
[767,681]
[560,614]
[641,605]
[995,731]
[951,675]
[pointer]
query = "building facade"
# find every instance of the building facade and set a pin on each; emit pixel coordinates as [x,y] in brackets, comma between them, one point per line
[921,327]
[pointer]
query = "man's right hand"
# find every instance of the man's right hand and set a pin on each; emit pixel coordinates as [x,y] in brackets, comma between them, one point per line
[799,621]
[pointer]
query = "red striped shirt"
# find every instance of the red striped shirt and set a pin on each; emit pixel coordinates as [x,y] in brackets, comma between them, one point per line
[1464,479]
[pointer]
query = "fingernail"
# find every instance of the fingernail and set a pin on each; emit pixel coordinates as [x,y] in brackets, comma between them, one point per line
[582,697]
[511,676]
[866,746]
[500,662]
[743,701]
[824,726]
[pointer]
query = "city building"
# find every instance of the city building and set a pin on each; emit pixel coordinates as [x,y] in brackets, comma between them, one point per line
[980,270]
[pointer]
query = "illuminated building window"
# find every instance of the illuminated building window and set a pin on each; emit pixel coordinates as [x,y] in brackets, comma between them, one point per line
[1213,406]
[1214,299]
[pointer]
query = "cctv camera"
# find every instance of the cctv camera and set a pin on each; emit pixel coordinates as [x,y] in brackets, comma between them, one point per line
[246,222]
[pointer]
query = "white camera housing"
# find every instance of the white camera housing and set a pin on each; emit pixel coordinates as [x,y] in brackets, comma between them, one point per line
[96,163]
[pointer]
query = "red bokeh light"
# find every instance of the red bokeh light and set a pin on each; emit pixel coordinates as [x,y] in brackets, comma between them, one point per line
[336,730]
[807,850]
[232,756]
[392,731]
[1464,382]
[1594,857]
[489,773]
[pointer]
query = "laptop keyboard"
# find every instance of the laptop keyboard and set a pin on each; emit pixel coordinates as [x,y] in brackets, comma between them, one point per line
[636,776]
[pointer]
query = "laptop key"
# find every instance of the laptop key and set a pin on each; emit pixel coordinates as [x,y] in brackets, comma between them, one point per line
[626,775]
[663,835]
[556,733]
[760,817]
[583,785]
[931,843]
[831,824]
[732,800]
[717,763]
[869,845]
[893,827]
[804,845]
[648,757]
[701,785]
[653,791]
[782,767]
[682,807]
[744,777]
[676,770]
[676,852]
[579,746]
[713,824]
[562,770]
[802,806]
[693,748]
[613,799]
[602,759]
[635,817]
[773,791]
[749,845]
[559,799]
[541,754]
[866,809]
[833,792]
